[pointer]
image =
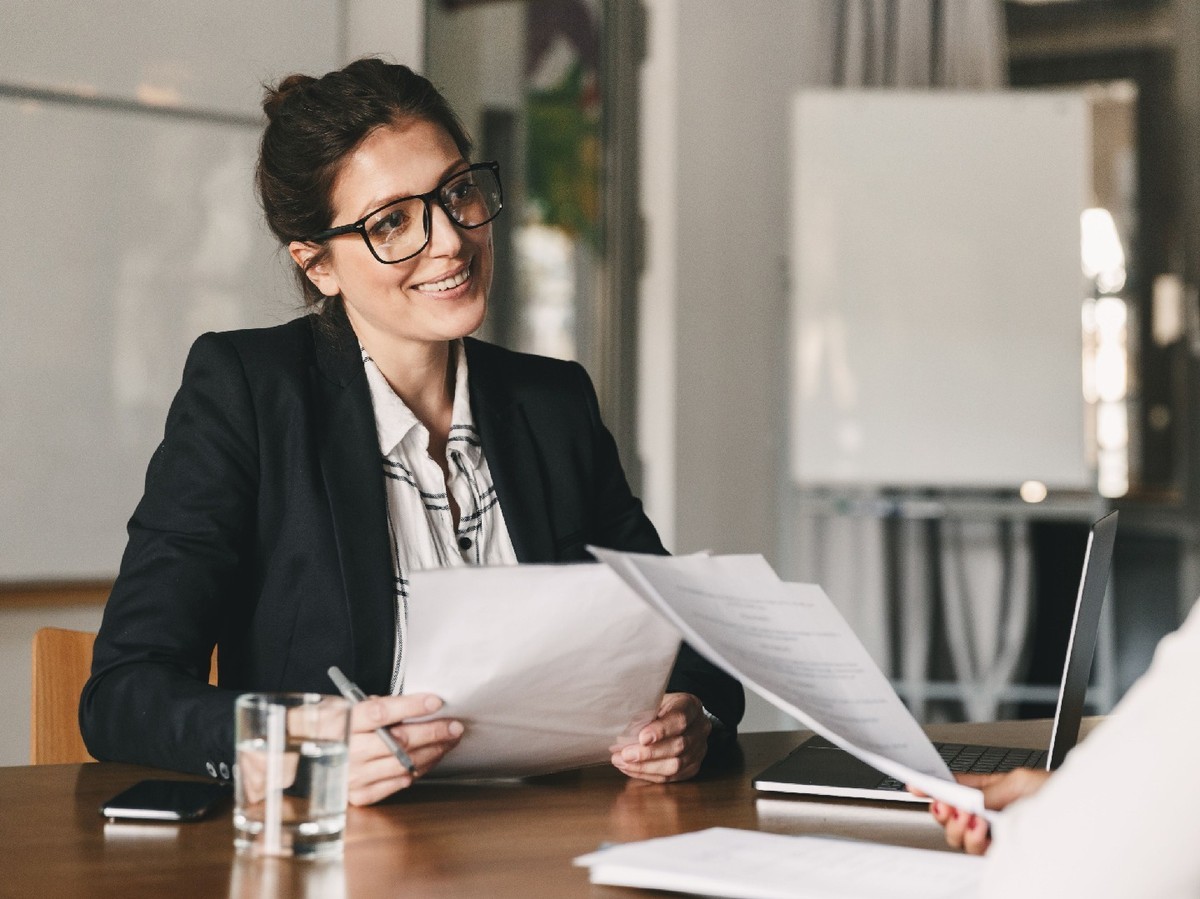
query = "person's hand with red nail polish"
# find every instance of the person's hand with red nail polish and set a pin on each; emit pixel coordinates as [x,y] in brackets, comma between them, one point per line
[971,832]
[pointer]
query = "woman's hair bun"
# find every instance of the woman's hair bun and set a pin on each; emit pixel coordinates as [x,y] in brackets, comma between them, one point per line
[275,97]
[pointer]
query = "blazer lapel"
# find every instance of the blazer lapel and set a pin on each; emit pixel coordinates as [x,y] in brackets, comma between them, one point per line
[348,448]
[512,455]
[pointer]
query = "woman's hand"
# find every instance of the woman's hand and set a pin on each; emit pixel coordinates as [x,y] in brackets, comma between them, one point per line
[672,746]
[374,772]
[971,832]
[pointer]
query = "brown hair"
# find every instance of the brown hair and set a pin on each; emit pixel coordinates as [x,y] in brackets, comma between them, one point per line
[312,123]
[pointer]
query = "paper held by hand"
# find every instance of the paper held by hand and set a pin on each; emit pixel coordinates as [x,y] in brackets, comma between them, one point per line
[548,666]
[789,643]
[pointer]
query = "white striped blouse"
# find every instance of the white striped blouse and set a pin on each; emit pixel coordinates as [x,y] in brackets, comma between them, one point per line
[419,519]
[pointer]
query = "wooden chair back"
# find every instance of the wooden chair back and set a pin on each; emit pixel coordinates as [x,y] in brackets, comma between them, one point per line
[62,662]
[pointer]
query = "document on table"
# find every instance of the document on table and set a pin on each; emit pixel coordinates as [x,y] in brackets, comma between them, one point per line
[754,865]
[789,643]
[548,666]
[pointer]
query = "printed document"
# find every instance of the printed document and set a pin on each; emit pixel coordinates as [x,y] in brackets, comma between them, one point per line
[789,643]
[549,667]
[755,865]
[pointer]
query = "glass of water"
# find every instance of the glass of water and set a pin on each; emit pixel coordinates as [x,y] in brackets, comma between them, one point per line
[290,775]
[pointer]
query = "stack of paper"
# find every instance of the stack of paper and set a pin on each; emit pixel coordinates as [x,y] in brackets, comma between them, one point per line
[755,865]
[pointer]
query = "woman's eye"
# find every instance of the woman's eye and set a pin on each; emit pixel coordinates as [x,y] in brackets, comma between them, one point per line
[393,221]
[460,192]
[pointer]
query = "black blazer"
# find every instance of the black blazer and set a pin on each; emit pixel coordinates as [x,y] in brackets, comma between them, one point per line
[263,530]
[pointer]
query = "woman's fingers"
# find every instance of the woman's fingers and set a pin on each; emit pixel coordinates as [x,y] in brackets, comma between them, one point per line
[672,746]
[677,758]
[413,736]
[377,779]
[375,773]
[382,711]
[675,713]
[963,830]
[425,744]
[977,835]
[1006,789]
[971,832]
[968,832]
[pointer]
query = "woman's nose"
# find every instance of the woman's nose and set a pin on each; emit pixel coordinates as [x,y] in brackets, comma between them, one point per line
[444,236]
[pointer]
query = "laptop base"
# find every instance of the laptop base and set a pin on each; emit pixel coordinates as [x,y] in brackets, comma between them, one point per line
[818,768]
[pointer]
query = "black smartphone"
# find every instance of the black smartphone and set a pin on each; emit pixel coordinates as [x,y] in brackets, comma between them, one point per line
[166,800]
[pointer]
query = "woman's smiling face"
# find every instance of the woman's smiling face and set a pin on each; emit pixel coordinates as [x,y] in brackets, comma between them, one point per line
[438,295]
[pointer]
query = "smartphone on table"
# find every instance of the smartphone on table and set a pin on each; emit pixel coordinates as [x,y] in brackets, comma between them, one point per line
[166,800]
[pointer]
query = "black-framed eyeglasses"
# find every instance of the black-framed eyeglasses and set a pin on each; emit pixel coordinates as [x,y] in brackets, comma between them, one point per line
[471,198]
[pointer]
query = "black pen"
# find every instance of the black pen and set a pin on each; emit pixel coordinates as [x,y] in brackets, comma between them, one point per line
[354,693]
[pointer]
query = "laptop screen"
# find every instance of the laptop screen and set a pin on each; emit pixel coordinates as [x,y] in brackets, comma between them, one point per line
[1081,646]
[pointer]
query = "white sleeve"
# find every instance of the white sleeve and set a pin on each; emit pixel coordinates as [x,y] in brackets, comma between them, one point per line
[1121,818]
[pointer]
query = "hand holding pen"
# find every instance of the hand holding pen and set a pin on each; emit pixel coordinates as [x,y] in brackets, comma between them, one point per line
[375,749]
[354,693]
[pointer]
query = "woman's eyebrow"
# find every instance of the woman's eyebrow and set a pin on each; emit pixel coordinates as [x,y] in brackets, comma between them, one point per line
[459,164]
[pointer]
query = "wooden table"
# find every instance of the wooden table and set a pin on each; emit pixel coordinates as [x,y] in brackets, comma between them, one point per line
[493,840]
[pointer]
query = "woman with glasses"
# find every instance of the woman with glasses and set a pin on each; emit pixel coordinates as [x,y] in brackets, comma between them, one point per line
[307,468]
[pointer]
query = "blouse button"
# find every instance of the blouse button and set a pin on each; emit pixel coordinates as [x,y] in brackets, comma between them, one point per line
[464,543]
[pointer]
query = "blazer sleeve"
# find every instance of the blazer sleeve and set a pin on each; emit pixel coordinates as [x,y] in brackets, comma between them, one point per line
[148,701]
[622,524]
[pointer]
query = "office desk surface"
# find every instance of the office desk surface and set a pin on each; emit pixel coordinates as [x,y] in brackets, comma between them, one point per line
[494,840]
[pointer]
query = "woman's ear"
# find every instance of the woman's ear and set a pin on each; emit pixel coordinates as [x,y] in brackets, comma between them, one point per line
[321,274]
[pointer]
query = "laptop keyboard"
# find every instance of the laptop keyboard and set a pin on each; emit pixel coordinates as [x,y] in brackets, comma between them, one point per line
[963,758]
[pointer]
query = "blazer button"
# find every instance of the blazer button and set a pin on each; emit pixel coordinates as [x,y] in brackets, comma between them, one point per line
[464,543]
[224,769]
[212,769]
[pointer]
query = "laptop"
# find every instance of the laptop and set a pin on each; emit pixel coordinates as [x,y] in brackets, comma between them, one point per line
[818,768]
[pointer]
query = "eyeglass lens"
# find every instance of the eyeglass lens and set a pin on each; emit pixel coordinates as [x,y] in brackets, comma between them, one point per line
[400,230]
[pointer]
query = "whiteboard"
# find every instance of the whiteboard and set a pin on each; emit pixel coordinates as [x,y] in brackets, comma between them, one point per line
[126,235]
[935,332]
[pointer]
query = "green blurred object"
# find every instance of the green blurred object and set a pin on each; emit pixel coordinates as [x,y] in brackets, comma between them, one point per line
[564,153]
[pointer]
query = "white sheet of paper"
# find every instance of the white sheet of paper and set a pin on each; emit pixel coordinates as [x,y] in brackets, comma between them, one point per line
[750,864]
[547,666]
[789,643]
